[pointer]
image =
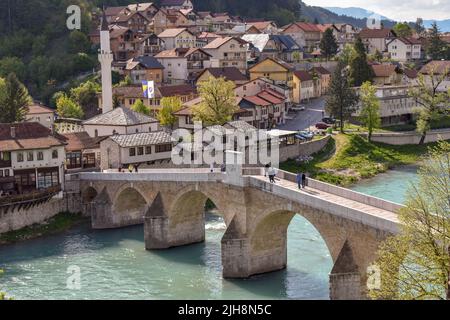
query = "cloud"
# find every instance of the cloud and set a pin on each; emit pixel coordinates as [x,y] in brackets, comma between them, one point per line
[407,10]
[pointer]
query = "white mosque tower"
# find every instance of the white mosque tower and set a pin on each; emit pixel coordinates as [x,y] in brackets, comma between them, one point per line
[105,57]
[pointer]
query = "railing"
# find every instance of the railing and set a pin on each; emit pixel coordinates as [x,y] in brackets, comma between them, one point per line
[30,196]
[344,193]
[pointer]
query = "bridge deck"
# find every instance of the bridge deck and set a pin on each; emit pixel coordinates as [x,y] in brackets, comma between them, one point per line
[367,210]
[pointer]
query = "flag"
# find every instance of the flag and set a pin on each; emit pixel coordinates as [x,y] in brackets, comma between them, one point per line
[148,88]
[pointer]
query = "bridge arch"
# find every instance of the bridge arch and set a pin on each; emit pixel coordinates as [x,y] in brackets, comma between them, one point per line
[129,205]
[88,194]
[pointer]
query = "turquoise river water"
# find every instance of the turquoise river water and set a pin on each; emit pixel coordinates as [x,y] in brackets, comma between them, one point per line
[113,264]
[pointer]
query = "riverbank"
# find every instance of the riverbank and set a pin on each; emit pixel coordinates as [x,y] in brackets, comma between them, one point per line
[349,158]
[61,222]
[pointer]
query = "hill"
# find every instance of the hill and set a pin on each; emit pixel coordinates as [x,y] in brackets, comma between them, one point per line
[355,12]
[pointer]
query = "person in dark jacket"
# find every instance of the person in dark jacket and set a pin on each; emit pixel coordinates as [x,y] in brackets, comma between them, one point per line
[303,180]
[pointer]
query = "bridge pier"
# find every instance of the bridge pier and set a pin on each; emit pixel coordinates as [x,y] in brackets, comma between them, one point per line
[345,278]
[162,230]
[100,210]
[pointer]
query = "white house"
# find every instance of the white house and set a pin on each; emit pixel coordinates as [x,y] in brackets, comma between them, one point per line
[146,148]
[120,120]
[178,38]
[404,49]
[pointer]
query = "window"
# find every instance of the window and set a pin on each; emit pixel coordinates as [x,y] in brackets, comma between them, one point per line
[30,156]
[47,179]
[55,154]
[20,157]
[140,151]
[148,150]
[132,152]
[163,148]
[1,173]
[96,133]
[6,172]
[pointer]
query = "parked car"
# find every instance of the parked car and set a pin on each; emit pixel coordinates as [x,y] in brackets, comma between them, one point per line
[322,125]
[328,120]
[306,134]
[297,107]
[300,137]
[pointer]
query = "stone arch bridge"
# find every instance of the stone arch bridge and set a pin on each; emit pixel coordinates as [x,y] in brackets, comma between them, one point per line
[171,204]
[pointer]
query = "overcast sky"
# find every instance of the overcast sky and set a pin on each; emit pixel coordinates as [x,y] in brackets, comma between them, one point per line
[395,9]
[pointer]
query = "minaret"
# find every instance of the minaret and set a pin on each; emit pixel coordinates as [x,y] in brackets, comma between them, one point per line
[105,57]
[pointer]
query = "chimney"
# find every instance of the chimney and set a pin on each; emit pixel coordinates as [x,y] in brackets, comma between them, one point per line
[13,132]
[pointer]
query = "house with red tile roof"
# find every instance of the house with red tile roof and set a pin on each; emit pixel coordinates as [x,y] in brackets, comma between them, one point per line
[31,158]
[404,49]
[376,39]
[303,86]
[183,64]
[177,38]
[41,114]
[228,73]
[386,74]
[228,52]
[307,35]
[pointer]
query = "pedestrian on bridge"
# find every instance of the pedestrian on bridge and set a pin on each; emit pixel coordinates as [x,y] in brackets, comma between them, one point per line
[303,180]
[266,169]
[271,172]
[299,179]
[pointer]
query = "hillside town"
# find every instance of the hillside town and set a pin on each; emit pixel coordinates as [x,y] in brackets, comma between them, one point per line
[168,67]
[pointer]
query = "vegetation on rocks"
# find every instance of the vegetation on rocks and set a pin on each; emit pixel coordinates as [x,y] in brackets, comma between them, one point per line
[58,223]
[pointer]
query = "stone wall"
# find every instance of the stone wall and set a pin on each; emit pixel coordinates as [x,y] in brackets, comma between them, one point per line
[410,137]
[302,149]
[20,217]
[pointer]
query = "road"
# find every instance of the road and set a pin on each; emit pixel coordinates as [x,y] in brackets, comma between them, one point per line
[302,120]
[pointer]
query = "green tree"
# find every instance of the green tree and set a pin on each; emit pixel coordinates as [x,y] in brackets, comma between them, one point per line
[296,56]
[360,71]
[218,101]
[436,46]
[347,54]
[12,65]
[78,42]
[169,105]
[432,101]
[341,100]
[370,108]
[68,108]
[14,100]
[419,27]
[328,44]
[85,95]
[402,29]
[415,264]
[140,107]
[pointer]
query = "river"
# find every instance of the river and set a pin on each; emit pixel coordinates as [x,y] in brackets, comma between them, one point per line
[113,264]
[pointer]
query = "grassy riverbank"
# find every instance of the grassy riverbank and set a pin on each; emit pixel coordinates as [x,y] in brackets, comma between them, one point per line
[354,158]
[61,222]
